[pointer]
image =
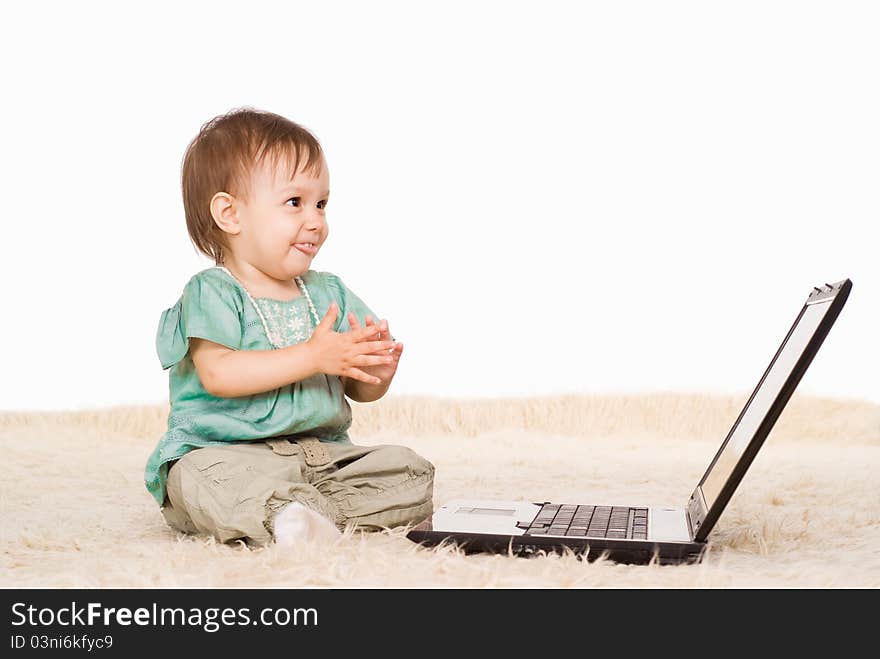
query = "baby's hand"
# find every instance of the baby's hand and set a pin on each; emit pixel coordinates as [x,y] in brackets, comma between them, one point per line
[346,353]
[384,371]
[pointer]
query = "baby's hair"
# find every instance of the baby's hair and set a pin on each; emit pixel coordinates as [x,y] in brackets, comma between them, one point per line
[223,157]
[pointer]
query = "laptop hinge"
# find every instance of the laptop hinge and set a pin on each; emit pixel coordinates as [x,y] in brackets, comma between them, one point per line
[696,512]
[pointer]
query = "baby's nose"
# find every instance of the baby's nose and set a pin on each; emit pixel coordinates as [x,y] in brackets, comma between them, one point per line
[315,219]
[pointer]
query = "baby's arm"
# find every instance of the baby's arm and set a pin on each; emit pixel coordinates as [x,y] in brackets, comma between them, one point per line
[228,373]
[363,392]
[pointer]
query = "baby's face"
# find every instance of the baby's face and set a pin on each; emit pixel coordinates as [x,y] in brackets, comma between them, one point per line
[283,223]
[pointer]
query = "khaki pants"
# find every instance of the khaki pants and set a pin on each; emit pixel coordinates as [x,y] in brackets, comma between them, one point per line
[235,491]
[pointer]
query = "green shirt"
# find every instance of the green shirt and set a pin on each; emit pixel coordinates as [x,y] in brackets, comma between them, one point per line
[214,306]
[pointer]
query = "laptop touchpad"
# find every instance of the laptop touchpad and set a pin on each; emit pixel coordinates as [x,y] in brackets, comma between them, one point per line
[486,511]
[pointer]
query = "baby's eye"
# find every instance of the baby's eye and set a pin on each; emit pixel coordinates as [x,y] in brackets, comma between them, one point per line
[322,204]
[294,199]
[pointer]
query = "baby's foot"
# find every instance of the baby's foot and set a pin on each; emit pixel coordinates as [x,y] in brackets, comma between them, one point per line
[297,523]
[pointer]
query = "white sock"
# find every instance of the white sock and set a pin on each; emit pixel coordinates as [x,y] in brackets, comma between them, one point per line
[296,523]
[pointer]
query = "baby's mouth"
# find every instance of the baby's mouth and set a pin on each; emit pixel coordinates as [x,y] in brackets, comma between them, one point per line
[310,249]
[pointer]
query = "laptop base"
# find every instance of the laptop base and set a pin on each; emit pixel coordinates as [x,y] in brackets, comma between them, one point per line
[590,549]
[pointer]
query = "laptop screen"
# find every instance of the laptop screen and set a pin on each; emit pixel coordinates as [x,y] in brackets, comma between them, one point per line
[763,398]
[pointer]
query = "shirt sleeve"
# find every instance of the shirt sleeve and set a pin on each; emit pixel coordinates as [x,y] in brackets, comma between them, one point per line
[348,302]
[210,308]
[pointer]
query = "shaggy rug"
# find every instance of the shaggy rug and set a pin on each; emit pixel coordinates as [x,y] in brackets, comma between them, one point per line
[807,514]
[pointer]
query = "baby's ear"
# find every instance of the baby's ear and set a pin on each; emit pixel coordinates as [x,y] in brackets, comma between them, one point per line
[223,212]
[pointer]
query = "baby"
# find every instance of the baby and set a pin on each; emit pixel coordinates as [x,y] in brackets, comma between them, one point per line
[263,352]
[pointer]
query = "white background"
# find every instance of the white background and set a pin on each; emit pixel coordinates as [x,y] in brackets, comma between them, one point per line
[542,198]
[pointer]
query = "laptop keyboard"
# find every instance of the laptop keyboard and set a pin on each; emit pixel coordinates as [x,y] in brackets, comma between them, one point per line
[590,521]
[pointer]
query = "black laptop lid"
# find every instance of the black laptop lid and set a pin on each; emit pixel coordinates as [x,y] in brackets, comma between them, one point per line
[764,406]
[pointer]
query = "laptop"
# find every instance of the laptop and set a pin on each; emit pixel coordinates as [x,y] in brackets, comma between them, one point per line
[642,534]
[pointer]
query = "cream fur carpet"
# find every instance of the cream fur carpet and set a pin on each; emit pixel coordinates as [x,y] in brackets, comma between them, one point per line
[75,512]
